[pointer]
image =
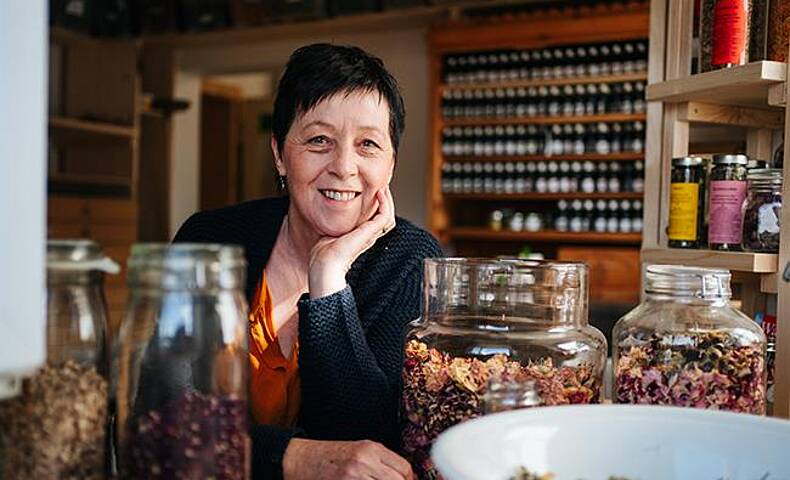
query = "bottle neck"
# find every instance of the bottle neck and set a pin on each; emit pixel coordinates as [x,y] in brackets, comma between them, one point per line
[687,298]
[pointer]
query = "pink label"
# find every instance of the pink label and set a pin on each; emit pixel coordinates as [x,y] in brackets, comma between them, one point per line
[725,221]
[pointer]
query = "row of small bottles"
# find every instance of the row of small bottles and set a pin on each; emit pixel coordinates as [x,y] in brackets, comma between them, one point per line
[601,216]
[558,139]
[569,61]
[554,100]
[543,177]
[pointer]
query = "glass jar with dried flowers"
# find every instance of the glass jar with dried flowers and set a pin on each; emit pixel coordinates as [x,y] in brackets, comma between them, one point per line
[507,320]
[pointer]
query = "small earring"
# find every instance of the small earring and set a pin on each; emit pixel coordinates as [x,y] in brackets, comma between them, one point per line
[281,183]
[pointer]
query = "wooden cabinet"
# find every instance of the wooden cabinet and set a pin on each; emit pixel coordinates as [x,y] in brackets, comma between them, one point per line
[461,219]
[93,149]
[750,102]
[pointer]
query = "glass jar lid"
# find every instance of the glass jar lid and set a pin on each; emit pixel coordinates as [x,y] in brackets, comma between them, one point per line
[78,255]
[730,159]
[186,266]
[687,161]
[765,176]
[675,280]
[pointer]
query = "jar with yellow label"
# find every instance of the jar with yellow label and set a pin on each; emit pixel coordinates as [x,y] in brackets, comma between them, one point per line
[686,203]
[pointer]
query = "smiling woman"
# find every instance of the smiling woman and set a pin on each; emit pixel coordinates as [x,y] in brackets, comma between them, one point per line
[333,275]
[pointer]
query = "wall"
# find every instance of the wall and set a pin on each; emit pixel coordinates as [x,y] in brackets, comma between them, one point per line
[404,52]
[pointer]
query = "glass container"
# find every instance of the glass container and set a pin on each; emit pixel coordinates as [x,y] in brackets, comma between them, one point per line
[180,364]
[727,193]
[762,211]
[56,428]
[686,202]
[502,320]
[686,346]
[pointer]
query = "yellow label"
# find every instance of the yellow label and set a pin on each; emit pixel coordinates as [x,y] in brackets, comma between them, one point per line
[683,211]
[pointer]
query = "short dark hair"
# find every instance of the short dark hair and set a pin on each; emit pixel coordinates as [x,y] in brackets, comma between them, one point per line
[318,71]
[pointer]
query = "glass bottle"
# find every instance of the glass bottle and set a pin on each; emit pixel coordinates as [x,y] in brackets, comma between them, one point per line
[180,364]
[686,346]
[507,320]
[727,193]
[57,426]
[762,211]
[686,202]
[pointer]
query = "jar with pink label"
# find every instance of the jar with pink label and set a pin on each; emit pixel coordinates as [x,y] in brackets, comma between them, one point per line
[727,193]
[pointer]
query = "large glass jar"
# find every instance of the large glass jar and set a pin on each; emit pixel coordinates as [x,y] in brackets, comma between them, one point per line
[56,428]
[509,320]
[685,346]
[180,364]
[762,211]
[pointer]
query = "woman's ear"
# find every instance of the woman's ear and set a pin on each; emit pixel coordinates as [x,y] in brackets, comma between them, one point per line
[278,161]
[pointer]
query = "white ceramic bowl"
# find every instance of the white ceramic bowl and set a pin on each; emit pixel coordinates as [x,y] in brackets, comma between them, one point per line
[593,442]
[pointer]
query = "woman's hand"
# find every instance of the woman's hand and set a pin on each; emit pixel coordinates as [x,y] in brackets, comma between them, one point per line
[331,257]
[319,460]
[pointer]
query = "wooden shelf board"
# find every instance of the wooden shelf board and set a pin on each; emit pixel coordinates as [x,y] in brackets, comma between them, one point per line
[594,157]
[544,196]
[738,261]
[745,85]
[607,117]
[484,234]
[98,180]
[631,77]
[365,22]
[92,127]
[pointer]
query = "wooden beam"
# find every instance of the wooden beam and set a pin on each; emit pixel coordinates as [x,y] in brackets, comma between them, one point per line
[697,112]
[777,95]
[216,88]
[542,32]
[759,142]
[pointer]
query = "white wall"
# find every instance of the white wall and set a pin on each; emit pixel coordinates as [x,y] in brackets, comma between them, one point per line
[405,54]
[23,121]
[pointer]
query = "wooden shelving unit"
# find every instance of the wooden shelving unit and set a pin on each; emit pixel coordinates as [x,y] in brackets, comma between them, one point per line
[94,126]
[608,117]
[451,217]
[544,196]
[750,97]
[477,233]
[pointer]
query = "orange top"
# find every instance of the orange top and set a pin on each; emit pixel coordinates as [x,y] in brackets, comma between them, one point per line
[274,380]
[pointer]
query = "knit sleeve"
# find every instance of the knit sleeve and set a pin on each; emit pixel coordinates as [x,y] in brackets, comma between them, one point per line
[350,382]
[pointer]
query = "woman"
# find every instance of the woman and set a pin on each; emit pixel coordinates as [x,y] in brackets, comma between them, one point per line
[333,275]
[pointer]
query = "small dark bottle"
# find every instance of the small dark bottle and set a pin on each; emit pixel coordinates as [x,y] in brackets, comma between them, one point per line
[686,203]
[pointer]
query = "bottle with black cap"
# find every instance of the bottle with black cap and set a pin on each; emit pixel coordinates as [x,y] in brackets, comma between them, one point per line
[686,202]
[727,193]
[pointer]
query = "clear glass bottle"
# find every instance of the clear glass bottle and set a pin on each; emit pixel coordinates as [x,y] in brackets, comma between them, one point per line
[512,320]
[180,364]
[762,211]
[56,427]
[686,346]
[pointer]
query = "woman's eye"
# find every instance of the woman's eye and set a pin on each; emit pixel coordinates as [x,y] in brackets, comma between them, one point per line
[370,144]
[320,140]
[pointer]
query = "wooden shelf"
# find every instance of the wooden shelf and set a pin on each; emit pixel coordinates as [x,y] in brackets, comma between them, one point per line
[746,85]
[484,234]
[86,127]
[593,157]
[737,261]
[631,77]
[544,196]
[607,117]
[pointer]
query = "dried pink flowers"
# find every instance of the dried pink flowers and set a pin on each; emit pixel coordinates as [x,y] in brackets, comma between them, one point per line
[701,370]
[440,391]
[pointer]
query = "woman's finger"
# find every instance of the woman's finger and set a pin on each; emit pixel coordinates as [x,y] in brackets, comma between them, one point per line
[397,463]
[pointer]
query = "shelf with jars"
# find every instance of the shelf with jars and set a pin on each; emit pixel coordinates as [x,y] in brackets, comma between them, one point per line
[538,137]
[722,210]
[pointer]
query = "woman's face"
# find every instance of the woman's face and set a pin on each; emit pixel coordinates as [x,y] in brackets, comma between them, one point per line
[336,157]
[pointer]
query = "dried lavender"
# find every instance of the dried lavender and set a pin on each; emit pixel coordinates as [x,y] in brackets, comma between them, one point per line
[701,370]
[195,436]
[56,427]
[440,391]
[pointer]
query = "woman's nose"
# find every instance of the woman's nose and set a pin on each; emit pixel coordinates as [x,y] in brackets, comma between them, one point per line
[344,164]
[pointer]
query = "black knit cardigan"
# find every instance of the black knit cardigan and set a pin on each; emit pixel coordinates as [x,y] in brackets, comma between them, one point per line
[350,342]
